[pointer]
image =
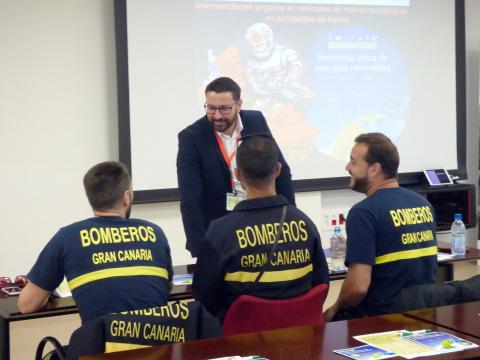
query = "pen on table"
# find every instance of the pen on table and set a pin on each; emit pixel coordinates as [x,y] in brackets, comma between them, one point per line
[415,332]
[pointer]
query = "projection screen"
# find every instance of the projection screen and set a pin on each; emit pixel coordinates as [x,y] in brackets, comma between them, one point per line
[321,72]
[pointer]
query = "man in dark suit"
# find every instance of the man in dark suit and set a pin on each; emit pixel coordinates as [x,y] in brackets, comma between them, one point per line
[206,159]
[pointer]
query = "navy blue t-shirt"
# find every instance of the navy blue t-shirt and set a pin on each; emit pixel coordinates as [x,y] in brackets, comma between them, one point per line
[393,230]
[237,248]
[111,265]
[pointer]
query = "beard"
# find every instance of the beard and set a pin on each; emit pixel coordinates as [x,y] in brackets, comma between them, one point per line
[223,124]
[359,184]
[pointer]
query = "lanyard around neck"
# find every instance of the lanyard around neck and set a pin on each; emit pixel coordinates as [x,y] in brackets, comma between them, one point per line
[228,159]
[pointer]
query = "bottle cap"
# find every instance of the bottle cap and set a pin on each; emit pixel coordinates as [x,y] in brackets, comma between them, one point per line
[458,216]
[337,229]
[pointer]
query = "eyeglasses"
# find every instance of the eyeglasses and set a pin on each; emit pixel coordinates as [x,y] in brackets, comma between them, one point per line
[20,281]
[224,109]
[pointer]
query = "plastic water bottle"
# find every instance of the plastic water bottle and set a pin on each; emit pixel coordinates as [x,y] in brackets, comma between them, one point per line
[337,249]
[458,245]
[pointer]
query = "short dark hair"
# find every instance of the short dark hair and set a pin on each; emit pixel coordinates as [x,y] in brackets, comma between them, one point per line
[257,157]
[381,150]
[105,184]
[224,84]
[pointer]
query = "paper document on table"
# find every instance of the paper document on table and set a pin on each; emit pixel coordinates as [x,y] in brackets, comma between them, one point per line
[444,256]
[393,341]
[365,352]
[63,290]
[412,344]
[331,270]
[182,279]
[238,357]
[442,342]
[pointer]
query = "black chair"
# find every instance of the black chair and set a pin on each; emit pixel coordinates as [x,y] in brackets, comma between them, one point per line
[175,322]
[58,352]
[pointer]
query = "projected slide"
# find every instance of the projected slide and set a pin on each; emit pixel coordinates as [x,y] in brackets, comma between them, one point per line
[322,72]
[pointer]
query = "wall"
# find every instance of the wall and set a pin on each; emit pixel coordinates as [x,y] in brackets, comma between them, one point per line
[472,38]
[58,117]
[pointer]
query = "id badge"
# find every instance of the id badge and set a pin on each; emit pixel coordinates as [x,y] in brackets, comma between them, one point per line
[233,199]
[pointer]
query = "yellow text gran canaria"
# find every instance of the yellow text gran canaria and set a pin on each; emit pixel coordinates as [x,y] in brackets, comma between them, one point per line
[417,237]
[147,331]
[279,258]
[122,255]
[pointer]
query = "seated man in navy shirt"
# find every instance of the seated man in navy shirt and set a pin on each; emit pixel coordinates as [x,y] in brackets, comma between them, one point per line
[112,263]
[237,246]
[391,242]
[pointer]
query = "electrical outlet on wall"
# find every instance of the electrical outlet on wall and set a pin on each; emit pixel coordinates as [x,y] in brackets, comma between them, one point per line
[332,218]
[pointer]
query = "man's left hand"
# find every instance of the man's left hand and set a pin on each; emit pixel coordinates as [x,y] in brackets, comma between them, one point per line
[330,313]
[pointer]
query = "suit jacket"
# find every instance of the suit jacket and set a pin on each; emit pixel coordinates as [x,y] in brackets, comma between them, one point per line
[204,177]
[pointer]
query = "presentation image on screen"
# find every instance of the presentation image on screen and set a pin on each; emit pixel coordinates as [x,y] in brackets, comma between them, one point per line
[322,72]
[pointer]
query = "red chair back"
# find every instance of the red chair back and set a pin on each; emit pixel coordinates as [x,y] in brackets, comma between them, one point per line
[250,313]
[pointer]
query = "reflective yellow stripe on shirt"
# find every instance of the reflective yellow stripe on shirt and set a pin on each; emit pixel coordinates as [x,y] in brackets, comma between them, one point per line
[114,346]
[114,272]
[406,254]
[269,276]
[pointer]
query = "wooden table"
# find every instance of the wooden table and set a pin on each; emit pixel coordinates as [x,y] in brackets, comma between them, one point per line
[63,306]
[445,267]
[463,318]
[445,270]
[307,342]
